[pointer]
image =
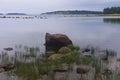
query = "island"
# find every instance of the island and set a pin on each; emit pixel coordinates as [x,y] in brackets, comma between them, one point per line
[16,14]
[73,12]
[1,13]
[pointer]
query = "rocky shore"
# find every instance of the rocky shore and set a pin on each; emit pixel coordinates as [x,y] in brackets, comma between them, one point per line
[61,60]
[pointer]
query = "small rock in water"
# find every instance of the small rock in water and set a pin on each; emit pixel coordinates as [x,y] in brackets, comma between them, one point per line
[82,69]
[7,66]
[8,49]
[86,50]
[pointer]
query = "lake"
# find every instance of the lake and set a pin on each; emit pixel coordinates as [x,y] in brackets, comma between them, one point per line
[103,32]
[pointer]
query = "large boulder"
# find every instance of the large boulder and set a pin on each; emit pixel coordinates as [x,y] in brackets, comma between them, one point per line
[55,41]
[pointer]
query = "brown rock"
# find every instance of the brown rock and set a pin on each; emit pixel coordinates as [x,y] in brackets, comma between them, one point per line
[7,66]
[64,50]
[1,70]
[82,69]
[55,41]
[55,56]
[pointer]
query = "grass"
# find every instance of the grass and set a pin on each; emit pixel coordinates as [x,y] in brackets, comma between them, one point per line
[26,70]
[110,52]
[109,14]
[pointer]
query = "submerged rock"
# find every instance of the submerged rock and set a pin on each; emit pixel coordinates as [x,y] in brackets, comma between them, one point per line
[118,59]
[29,55]
[60,70]
[55,41]
[7,66]
[107,72]
[104,58]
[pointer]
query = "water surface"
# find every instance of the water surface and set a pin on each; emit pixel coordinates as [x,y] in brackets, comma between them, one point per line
[103,32]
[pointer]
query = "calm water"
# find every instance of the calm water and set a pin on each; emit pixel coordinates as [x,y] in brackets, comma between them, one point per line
[103,32]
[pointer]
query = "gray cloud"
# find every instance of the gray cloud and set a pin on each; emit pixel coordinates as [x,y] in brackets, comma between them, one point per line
[39,6]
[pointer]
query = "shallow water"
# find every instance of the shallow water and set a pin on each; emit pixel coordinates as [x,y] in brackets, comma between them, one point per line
[2,76]
[102,32]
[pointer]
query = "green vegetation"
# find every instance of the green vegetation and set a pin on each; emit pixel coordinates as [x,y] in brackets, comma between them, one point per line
[110,53]
[26,70]
[42,67]
[109,14]
[112,10]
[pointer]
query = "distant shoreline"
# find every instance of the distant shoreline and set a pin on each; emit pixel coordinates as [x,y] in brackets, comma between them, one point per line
[45,16]
[109,14]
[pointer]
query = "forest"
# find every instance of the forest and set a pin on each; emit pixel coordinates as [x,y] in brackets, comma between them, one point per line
[112,10]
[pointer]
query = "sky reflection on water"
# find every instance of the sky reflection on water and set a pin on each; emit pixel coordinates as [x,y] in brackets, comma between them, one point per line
[83,31]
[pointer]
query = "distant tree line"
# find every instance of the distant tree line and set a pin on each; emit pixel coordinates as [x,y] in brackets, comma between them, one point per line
[1,14]
[112,10]
[16,14]
[74,12]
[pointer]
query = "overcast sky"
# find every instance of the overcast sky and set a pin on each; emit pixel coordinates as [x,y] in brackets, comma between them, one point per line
[40,6]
